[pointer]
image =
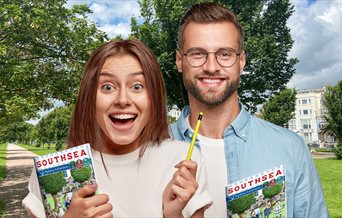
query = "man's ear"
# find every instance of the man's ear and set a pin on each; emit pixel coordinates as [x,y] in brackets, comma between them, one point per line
[179,59]
[242,60]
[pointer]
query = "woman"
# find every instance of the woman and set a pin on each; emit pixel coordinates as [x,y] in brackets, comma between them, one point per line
[121,112]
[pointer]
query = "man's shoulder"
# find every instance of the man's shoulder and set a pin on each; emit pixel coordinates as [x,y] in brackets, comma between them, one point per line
[271,129]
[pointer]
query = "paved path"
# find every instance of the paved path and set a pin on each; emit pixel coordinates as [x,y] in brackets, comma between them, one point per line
[323,154]
[13,189]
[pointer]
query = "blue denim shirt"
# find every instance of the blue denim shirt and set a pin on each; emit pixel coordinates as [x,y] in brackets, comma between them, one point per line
[253,145]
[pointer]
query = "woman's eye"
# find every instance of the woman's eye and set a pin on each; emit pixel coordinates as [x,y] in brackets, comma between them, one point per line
[137,86]
[107,87]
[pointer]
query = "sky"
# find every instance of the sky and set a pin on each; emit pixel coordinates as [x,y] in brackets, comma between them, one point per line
[316,28]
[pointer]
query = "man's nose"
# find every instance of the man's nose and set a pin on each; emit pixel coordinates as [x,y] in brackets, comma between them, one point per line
[211,65]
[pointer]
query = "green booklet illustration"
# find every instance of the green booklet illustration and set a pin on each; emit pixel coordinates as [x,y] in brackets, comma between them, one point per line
[258,196]
[60,174]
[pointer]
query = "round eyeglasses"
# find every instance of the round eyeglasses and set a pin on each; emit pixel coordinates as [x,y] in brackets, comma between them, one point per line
[226,57]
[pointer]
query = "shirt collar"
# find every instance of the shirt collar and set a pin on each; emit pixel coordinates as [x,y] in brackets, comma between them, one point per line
[182,125]
[238,126]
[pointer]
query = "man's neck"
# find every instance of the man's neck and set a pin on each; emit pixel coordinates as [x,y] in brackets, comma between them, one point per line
[215,118]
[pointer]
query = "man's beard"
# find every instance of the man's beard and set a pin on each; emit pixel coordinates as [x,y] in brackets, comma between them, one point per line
[212,97]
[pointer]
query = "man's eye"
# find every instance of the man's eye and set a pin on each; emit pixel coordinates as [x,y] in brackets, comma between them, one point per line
[225,53]
[137,86]
[197,54]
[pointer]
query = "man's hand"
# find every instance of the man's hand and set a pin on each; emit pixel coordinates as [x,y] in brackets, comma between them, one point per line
[180,189]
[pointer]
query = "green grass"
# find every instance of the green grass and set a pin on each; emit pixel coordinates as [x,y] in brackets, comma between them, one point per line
[323,150]
[2,208]
[3,151]
[38,150]
[330,172]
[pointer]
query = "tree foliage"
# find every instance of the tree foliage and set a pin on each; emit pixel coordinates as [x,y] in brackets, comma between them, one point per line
[53,183]
[240,205]
[267,43]
[82,174]
[279,109]
[43,47]
[272,190]
[53,128]
[16,131]
[333,102]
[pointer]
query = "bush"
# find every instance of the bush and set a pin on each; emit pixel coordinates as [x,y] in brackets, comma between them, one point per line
[338,151]
[59,145]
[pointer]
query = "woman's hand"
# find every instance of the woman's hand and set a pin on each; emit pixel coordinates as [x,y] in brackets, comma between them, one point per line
[180,189]
[85,204]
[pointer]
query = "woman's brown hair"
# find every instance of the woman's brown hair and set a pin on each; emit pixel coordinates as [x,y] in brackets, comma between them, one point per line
[83,126]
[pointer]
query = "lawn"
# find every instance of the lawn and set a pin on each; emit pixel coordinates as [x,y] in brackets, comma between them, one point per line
[2,208]
[330,171]
[38,150]
[3,150]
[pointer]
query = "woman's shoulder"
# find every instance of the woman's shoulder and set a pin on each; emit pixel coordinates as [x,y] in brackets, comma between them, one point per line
[175,148]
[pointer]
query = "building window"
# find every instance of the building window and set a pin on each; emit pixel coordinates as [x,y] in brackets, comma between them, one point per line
[304,101]
[305,112]
[306,124]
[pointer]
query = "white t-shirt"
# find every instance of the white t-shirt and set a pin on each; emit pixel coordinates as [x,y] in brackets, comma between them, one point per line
[136,186]
[214,155]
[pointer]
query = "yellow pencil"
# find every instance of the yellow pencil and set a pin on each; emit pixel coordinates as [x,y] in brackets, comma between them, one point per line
[188,156]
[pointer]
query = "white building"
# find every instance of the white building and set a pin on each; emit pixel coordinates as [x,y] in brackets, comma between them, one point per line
[309,116]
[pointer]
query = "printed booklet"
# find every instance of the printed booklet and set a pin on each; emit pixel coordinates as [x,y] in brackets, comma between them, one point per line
[60,174]
[261,195]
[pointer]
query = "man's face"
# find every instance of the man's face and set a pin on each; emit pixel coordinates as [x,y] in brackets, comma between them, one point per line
[211,83]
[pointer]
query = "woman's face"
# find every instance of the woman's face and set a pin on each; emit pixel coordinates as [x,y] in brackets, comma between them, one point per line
[122,103]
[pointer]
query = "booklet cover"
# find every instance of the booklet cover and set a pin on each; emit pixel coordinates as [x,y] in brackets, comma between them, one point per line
[60,174]
[261,195]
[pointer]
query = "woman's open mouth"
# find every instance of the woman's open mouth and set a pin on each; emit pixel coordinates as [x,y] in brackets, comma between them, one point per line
[122,121]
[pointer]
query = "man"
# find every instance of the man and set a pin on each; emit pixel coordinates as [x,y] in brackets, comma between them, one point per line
[235,144]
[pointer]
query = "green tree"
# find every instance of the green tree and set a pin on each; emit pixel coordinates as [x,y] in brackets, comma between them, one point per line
[43,47]
[53,183]
[267,42]
[272,190]
[280,108]
[240,205]
[333,102]
[15,131]
[82,174]
[53,128]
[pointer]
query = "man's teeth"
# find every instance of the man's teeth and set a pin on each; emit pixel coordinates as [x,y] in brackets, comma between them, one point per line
[211,80]
[123,116]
